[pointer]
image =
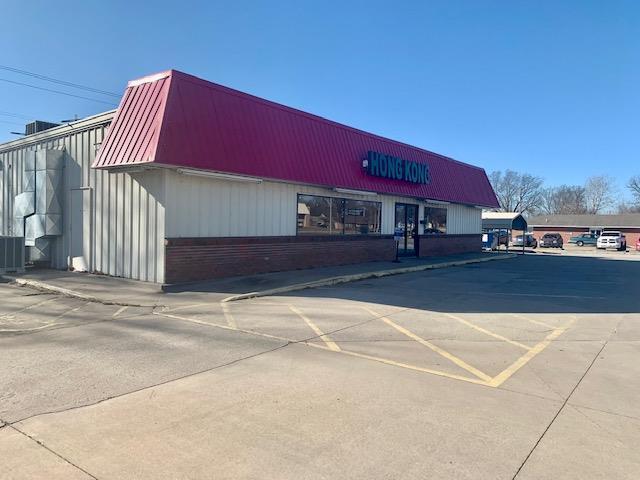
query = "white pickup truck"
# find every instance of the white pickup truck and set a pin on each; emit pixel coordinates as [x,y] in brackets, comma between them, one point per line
[615,240]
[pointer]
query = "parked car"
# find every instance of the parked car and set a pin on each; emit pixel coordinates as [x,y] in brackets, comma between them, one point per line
[503,237]
[553,240]
[584,239]
[612,239]
[530,241]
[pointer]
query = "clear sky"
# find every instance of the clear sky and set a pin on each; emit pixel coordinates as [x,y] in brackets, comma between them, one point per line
[549,87]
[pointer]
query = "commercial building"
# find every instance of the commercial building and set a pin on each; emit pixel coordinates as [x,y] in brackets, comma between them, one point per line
[190,180]
[571,225]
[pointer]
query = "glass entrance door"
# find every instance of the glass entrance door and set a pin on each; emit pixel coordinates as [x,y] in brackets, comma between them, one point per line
[407,221]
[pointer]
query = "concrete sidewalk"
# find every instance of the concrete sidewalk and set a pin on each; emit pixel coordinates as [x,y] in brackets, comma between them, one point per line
[120,291]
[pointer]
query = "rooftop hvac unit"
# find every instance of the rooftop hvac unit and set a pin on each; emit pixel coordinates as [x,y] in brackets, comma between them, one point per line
[38,126]
[11,255]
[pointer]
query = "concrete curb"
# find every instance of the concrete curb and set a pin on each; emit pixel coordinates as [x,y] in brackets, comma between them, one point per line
[46,287]
[361,276]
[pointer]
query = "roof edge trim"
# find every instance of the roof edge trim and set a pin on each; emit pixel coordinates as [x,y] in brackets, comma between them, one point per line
[149,78]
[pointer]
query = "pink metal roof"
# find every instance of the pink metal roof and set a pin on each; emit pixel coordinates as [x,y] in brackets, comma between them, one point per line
[177,120]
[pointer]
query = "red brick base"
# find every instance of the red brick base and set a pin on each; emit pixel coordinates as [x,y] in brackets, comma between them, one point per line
[434,245]
[190,259]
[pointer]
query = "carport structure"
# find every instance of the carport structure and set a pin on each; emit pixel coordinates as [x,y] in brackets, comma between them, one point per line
[505,221]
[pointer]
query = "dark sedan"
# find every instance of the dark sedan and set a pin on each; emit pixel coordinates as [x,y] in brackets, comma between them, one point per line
[529,242]
[551,240]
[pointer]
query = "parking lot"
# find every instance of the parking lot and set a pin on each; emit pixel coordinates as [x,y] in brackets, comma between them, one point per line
[524,368]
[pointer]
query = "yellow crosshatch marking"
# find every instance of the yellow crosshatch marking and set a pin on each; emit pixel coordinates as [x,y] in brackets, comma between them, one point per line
[325,338]
[479,377]
[461,363]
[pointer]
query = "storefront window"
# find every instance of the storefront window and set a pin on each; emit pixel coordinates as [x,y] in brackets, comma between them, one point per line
[435,220]
[336,216]
[361,218]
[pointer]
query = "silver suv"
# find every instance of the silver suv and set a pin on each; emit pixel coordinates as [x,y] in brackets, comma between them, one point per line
[615,240]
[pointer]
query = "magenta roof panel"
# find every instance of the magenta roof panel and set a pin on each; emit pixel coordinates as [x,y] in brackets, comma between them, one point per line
[177,120]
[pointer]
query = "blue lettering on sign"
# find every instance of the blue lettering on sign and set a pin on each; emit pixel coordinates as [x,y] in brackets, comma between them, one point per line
[394,168]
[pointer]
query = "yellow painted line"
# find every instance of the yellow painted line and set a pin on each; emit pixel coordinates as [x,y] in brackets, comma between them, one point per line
[487,332]
[41,327]
[224,327]
[402,365]
[184,307]
[325,338]
[119,311]
[537,322]
[29,307]
[227,315]
[458,361]
[524,359]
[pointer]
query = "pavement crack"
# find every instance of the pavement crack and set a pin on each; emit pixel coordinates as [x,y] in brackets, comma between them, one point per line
[147,387]
[564,404]
[66,460]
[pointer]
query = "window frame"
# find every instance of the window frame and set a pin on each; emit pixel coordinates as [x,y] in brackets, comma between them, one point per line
[343,203]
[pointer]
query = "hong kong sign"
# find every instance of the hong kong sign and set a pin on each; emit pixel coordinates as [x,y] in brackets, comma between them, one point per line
[393,168]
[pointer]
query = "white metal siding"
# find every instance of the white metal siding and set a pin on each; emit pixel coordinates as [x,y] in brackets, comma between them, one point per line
[208,207]
[127,210]
[463,219]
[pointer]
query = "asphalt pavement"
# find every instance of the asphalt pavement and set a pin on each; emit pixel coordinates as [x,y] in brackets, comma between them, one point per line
[523,369]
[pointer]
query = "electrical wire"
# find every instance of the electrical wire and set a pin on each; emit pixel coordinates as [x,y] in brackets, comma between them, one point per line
[15,115]
[57,91]
[60,82]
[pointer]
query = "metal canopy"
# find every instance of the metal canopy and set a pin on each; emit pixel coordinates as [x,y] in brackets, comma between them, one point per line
[503,220]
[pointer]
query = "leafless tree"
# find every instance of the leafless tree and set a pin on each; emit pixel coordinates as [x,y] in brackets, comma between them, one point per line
[565,199]
[599,193]
[517,192]
[634,186]
[626,208]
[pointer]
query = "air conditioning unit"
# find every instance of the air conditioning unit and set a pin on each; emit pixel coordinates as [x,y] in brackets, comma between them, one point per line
[11,255]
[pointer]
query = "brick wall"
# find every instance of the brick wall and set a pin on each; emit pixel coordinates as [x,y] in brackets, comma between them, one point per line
[433,245]
[190,259]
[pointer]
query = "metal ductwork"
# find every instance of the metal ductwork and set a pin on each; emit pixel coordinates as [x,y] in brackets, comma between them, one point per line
[38,209]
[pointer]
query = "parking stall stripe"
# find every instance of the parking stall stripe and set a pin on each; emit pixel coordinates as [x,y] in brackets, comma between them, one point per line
[487,332]
[537,322]
[325,338]
[523,360]
[35,305]
[458,361]
[119,311]
[227,315]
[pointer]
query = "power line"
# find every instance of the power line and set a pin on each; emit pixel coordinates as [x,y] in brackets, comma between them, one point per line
[15,115]
[57,91]
[60,82]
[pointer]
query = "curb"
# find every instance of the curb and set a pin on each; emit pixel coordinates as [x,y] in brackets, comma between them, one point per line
[360,276]
[46,287]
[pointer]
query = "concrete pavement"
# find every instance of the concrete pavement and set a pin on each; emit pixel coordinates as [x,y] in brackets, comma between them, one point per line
[312,384]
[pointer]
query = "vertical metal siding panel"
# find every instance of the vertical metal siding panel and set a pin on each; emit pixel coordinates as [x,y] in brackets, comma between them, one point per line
[113,222]
[151,237]
[127,251]
[142,246]
[135,228]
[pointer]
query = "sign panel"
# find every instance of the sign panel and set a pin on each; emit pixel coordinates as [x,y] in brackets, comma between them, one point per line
[398,234]
[394,168]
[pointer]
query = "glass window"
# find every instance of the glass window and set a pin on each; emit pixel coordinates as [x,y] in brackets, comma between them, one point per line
[361,218]
[435,219]
[336,216]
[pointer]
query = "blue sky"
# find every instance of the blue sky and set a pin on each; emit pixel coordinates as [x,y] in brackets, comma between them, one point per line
[547,87]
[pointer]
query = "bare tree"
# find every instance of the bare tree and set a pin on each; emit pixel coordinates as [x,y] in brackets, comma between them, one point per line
[565,199]
[599,193]
[517,192]
[626,208]
[634,186]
